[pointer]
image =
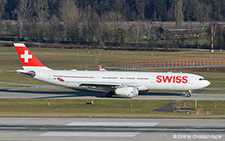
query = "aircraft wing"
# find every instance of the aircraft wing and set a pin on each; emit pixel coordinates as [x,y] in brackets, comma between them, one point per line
[106,84]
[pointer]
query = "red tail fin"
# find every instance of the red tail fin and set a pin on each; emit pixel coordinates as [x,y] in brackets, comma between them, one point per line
[101,68]
[26,56]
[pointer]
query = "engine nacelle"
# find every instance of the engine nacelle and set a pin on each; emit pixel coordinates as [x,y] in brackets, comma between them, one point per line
[127,91]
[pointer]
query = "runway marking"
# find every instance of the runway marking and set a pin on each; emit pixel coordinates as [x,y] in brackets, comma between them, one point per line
[130,124]
[91,134]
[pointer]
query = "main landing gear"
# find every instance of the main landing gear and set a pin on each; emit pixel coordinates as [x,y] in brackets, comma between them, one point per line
[108,94]
[189,93]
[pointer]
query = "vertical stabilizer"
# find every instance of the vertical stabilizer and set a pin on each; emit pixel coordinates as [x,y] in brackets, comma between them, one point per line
[101,68]
[27,59]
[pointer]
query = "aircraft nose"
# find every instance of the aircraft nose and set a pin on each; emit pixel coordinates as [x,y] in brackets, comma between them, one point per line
[207,83]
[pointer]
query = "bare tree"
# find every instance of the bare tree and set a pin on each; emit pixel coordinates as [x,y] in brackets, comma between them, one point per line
[115,19]
[87,31]
[54,29]
[41,8]
[100,27]
[2,7]
[24,12]
[137,29]
[179,9]
[219,38]
[71,19]
[148,27]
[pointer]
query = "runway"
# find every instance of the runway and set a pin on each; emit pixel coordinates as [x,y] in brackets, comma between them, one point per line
[46,92]
[97,95]
[56,129]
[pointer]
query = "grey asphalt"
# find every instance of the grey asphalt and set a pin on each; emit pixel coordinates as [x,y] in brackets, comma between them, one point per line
[97,95]
[167,107]
[10,92]
[55,129]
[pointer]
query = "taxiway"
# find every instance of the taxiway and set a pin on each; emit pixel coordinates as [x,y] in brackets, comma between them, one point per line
[97,95]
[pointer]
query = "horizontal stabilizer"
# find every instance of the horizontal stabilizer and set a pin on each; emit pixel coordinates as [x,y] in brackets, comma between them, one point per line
[25,72]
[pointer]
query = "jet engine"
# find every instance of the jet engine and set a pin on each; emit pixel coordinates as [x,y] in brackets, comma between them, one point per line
[127,91]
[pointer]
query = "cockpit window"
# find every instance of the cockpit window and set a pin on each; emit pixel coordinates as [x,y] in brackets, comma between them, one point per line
[200,79]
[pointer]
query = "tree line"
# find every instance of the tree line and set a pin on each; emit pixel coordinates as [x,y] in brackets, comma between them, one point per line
[102,21]
[159,10]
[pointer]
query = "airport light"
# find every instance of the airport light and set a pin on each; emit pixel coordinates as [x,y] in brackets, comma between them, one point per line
[212,39]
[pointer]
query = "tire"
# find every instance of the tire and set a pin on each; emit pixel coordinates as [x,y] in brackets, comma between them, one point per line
[188,95]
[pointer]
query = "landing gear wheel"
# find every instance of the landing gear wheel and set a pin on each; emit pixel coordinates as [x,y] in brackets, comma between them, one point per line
[109,94]
[188,95]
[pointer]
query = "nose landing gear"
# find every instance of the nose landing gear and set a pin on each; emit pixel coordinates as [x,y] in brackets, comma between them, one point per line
[189,93]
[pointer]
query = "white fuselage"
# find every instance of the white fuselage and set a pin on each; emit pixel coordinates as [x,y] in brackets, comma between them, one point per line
[103,79]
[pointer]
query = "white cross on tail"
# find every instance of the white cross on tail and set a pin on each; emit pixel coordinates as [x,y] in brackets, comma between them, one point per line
[26,56]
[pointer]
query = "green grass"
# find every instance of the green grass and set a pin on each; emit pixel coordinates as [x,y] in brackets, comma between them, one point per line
[77,108]
[105,108]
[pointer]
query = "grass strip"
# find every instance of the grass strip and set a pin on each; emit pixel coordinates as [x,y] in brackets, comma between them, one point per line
[105,108]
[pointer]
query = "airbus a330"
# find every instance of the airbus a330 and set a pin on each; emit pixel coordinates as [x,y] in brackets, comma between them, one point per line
[122,83]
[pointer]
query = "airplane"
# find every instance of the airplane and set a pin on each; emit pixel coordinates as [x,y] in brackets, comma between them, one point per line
[100,68]
[121,83]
